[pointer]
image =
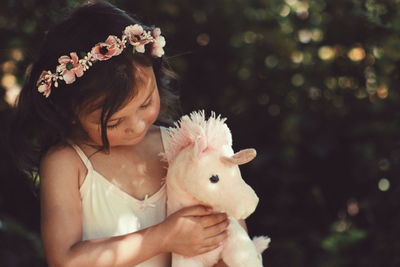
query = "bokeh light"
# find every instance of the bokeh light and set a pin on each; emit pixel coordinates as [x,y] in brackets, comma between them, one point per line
[326,53]
[384,184]
[356,54]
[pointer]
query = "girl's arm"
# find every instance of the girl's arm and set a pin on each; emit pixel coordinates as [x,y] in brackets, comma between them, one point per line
[189,232]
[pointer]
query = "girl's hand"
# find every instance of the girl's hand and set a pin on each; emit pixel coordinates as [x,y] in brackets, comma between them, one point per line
[193,230]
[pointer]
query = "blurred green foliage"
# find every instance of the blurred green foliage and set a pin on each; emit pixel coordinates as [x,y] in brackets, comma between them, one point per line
[312,85]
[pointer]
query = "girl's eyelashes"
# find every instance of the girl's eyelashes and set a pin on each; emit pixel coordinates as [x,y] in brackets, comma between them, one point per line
[113,126]
[110,127]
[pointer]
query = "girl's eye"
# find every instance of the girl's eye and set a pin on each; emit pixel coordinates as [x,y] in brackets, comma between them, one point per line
[113,126]
[147,104]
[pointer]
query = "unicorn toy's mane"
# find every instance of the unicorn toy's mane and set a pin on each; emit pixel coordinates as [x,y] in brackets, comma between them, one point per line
[210,134]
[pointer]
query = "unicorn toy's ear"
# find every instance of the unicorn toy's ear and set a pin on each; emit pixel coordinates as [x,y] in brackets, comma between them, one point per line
[241,157]
[198,147]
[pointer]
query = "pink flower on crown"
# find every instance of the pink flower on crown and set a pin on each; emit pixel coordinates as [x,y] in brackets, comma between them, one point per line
[113,46]
[137,37]
[159,42]
[69,67]
[44,83]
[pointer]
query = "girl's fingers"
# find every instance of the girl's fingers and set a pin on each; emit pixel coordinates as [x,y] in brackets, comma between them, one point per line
[208,248]
[216,229]
[216,240]
[212,219]
[198,210]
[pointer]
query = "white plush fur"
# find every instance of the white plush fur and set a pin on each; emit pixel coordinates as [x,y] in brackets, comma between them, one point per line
[196,149]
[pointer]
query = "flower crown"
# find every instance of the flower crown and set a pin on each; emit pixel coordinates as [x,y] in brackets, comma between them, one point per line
[71,66]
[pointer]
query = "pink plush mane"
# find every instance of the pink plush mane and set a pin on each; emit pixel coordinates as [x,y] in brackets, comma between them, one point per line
[211,134]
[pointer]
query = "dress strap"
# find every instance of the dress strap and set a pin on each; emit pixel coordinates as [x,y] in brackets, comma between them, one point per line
[83,156]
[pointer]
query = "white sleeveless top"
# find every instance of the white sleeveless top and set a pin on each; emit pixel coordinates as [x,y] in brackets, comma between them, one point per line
[109,211]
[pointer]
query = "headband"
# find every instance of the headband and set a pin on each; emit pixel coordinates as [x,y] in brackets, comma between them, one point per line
[71,66]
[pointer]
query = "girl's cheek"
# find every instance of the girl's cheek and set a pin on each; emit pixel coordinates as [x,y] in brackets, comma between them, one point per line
[111,137]
[152,113]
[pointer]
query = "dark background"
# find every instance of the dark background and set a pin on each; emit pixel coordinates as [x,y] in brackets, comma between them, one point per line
[312,85]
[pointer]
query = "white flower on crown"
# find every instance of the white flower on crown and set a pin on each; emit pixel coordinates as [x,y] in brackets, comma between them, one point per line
[159,43]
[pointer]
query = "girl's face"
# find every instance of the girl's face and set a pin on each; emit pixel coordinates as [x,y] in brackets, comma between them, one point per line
[129,125]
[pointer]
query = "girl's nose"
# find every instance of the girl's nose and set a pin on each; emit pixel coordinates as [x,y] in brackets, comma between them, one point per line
[136,126]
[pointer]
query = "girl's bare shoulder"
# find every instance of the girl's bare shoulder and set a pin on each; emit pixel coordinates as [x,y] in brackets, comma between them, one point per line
[62,158]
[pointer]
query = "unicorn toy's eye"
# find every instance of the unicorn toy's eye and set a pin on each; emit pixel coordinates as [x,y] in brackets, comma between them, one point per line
[214,179]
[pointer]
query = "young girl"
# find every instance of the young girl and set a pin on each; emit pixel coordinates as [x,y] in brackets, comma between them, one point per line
[88,114]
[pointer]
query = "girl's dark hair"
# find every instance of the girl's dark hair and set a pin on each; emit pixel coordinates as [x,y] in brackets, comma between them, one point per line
[41,122]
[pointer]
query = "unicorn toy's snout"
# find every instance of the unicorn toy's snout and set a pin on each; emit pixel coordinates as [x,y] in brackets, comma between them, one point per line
[245,204]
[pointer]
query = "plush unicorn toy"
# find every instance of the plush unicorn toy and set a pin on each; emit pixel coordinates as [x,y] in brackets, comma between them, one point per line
[203,169]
